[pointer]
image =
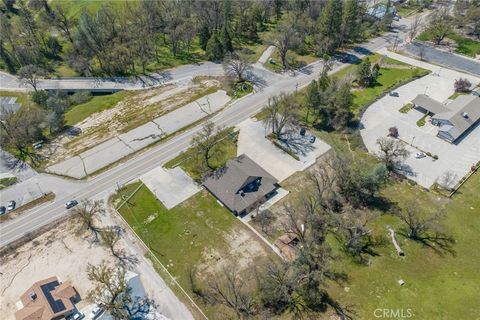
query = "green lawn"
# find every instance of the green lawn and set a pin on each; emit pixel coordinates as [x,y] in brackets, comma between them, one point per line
[75,7]
[6,182]
[406,108]
[295,59]
[96,104]
[392,74]
[421,121]
[22,97]
[191,160]
[465,46]
[437,287]
[184,237]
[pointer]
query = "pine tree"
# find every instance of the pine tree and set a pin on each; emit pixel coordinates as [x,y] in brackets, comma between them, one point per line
[331,24]
[214,50]
[204,36]
[350,20]
[312,98]
[226,39]
[364,73]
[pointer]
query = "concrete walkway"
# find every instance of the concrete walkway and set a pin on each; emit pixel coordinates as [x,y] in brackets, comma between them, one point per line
[127,143]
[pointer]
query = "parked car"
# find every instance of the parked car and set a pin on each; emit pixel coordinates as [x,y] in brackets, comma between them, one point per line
[393,94]
[396,18]
[303,131]
[71,204]
[312,139]
[38,145]
[77,315]
[2,210]
[95,312]
[11,205]
[420,155]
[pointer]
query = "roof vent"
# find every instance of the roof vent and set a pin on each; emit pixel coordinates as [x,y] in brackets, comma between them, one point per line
[465,115]
[33,295]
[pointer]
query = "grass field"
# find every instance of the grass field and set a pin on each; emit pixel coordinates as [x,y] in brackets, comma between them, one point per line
[191,160]
[392,73]
[182,236]
[96,104]
[465,45]
[295,59]
[437,286]
[6,182]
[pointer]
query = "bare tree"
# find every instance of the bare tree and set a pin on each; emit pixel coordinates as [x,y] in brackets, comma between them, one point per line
[86,215]
[236,65]
[113,294]
[285,39]
[206,140]
[265,220]
[440,24]
[231,290]
[30,74]
[426,230]
[280,112]
[414,27]
[109,237]
[447,180]
[392,152]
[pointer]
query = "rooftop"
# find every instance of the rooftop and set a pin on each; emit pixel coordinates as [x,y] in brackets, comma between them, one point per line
[46,299]
[240,183]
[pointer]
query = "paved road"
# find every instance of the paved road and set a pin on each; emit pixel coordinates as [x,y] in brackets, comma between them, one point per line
[160,154]
[270,84]
[447,59]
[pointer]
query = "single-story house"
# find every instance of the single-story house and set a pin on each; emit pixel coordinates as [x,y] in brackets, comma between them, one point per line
[453,119]
[47,300]
[380,10]
[241,185]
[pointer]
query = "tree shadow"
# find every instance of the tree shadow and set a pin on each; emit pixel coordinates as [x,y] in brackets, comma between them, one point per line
[439,242]
[257,81]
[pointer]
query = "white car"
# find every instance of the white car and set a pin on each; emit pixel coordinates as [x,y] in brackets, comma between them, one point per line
[77,315]
[420,155]
[95,312]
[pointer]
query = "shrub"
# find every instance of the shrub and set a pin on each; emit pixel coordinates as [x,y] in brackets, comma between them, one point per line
[393,132]
[462,85]
[40,97]
[435,157]
[80,97]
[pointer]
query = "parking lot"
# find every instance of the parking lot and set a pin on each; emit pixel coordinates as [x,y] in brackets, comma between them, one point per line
[281,165]
[453,159]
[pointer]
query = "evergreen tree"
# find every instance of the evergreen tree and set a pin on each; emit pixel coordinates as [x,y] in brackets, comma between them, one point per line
[312,98]
[364,73]
[204,36]
[215,51]
[330,27]
[226,39]
[350,20]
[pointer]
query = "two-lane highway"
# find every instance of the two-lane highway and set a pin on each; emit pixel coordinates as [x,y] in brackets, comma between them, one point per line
[240,110]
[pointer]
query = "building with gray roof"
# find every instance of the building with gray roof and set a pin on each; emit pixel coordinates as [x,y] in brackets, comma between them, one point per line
[241,185]
[453,119]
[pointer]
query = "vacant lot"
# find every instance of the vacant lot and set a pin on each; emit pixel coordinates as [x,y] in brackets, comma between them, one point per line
[198,237]
[58,252]
[105,117]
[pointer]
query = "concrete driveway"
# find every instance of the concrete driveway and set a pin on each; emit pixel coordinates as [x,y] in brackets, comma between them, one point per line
[252,142]
[171,187]
[383,114]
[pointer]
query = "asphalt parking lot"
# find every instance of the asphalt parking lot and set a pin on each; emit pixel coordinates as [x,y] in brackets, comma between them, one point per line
[454,159]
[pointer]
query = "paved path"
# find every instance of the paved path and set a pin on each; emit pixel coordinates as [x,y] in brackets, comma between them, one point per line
[141,163]
[447,59]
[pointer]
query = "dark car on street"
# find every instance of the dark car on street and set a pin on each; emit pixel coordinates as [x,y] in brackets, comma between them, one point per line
[2,210]
[71,204]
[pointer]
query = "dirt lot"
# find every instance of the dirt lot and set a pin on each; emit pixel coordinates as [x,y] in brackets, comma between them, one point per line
[136,109]
[56,253]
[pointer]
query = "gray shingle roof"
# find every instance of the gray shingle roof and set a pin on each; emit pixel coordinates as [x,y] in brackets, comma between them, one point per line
[463,112]
[429,104]
[240,183]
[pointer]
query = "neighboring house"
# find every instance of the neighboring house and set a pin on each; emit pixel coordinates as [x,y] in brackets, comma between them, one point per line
[8,105]
[47,299]
[241,185]
[380,10]
[453,119]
